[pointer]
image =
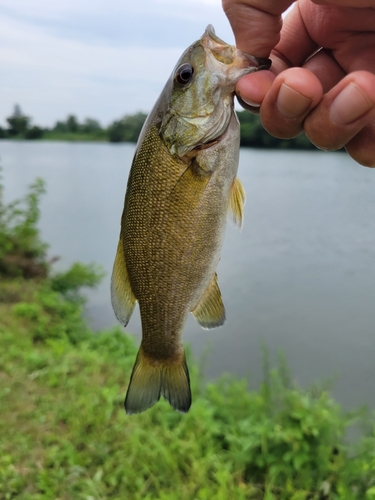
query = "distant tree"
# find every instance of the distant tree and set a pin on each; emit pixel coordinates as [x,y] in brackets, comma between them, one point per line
[60,127]
[17,112]
[3,133]
[116,132]
[34,132]
[127,129]
[18,122]
[90,126]
[72,124]
[254,135]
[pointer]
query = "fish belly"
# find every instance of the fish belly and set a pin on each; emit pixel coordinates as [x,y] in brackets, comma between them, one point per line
[173,226]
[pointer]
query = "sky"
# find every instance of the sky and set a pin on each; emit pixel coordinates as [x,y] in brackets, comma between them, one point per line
[95,58]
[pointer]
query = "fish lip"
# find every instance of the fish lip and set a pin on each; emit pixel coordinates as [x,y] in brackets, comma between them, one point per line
[258,62]
[210,31]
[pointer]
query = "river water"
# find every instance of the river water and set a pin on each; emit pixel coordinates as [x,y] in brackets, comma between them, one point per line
[300,277]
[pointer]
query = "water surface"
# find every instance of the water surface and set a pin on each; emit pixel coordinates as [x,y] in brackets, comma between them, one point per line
[300,276]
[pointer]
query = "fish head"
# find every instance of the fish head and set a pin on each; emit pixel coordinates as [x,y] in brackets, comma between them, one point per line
[200,93]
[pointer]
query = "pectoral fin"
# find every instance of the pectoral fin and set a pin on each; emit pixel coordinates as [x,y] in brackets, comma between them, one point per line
[210,311]
[237,202]
[122,296]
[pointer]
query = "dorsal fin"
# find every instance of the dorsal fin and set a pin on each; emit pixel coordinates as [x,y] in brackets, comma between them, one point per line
[210,311]
[237,202]
[122,296]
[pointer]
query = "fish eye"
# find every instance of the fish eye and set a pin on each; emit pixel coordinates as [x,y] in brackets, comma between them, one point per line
[184,74]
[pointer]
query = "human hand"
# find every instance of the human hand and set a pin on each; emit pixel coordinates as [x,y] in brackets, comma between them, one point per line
[329,94]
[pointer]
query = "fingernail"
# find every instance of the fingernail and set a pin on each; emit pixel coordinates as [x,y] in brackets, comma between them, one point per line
[250,103]
[290,103]
[349,105]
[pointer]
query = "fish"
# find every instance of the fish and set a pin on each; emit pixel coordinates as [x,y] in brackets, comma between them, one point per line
[181,187]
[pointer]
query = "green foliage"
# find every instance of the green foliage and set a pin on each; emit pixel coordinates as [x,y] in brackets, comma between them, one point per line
[18,122]
[69,130]
[21,251]
[72,124]
[50,316]
[63,395]
[127,129]
[18,125]
[34,132]
[3,133]
[254,135]
[80,136]
[60,127]
[90,126]
[64,433]
[79,275]
[72,130]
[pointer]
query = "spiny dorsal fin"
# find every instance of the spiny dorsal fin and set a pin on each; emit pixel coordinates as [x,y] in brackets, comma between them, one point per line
[122,296]
[151,379]
[237,202]
[210,311]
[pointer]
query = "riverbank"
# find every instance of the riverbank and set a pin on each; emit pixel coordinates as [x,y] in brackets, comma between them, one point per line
[64,433]
[291,278]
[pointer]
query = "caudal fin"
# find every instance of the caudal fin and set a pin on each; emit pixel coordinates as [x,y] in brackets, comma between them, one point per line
[151,379]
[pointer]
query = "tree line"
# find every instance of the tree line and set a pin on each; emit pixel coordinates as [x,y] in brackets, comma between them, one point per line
[127,129]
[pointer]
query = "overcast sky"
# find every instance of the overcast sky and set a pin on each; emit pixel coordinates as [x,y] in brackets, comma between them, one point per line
[95,58]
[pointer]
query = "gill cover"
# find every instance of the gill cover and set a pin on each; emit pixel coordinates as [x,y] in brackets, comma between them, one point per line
[202,90]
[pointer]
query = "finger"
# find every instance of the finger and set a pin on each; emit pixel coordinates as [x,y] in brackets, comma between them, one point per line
[252,88]
[347,3]
[343,112]
[293,95]
[295,44]
[326,69]
[362,147]
[256,24]
[294,48]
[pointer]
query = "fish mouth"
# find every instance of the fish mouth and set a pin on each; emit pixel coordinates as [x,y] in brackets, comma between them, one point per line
[230,55]
[210,31]
[263,63]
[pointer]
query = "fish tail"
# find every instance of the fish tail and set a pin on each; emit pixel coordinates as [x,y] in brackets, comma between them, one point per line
[151,379]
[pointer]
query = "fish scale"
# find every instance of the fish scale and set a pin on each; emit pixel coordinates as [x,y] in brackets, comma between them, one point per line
[181,186]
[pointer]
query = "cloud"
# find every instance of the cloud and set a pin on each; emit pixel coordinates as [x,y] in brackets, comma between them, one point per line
[95,58]
[159,22]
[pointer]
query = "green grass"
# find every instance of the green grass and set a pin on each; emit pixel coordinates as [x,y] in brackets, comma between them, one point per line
[50,135]
[64,433]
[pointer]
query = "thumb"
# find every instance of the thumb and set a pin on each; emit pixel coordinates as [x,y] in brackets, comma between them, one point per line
[256,24]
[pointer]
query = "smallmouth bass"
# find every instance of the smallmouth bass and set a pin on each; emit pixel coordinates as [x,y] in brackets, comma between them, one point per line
[181,187]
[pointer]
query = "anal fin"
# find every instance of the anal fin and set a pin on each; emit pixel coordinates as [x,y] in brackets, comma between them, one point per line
[237,202]
[122,296]
[210,311]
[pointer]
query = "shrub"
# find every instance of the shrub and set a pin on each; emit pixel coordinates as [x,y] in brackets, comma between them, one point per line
[22,253]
